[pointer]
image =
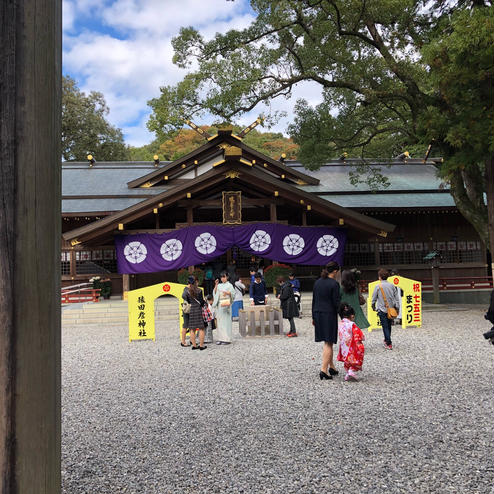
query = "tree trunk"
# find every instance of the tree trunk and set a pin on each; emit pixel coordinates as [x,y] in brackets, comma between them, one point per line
[470,202]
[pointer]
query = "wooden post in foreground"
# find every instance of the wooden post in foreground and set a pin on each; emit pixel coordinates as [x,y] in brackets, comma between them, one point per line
[30,89]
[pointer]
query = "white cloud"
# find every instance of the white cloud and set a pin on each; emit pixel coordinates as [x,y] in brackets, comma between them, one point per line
[131,58]
[68,15]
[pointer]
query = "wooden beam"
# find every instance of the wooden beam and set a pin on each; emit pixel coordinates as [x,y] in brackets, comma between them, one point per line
[272,211]
[190,216]
[304,217]
[30,230]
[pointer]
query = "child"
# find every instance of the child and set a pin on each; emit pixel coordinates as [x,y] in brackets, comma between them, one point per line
[351,351]
[210,326]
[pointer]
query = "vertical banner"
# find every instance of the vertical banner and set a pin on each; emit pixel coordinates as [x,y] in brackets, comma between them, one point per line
[141,308]
[411,302]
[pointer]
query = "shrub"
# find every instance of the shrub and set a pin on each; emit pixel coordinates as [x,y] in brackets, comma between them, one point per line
[183,274]
[272,272]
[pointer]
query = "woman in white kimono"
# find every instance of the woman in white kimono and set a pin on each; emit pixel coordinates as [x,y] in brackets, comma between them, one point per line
[224,294]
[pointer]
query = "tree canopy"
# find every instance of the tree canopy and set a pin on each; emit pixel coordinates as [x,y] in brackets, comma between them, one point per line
[184,141]
[394,75]
[85,129]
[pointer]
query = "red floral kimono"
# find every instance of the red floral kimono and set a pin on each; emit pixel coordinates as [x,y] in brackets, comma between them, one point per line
[351,351]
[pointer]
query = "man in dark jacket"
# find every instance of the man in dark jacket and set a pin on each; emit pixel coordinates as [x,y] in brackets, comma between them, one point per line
[257,291]
[288,304]
[325,305]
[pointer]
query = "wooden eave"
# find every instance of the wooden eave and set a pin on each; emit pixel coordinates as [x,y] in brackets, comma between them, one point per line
[250,176]
[209,149]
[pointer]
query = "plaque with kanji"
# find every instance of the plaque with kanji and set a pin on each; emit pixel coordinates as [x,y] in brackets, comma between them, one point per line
[232,208]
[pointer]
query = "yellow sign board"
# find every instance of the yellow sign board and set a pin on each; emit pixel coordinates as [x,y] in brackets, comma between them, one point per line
[141,308]
[411,302]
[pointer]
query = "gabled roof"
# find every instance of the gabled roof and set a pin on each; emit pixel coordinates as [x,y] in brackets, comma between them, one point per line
[222,146]
[232,172]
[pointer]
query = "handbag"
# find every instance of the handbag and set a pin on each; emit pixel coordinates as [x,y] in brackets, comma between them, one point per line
[185,307]
[392,312]
[225,302]
[206,315]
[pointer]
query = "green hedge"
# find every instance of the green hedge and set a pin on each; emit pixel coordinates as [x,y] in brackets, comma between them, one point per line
[183,274]
[272,272]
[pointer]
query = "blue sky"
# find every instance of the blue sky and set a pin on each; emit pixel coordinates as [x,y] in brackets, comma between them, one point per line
[122,48]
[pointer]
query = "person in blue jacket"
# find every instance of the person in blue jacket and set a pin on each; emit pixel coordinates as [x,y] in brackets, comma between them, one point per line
[257,291]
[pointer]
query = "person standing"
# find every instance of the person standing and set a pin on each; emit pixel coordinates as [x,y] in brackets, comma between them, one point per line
[185,315]
[224,295]
[350,294]
[288,304]
[351,351]
[385,295]
[196,320]
[296,291]
[238,302]
[325,305]
[257,291]
[208,279]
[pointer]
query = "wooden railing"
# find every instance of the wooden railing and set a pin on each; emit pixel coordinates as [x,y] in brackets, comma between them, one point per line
[460,283]
[83,292]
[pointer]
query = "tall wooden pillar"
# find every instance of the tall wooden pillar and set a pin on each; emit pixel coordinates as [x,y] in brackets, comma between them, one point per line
[30,232]
[272,212]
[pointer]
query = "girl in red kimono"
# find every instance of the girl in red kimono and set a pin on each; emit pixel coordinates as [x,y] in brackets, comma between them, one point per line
[351,338]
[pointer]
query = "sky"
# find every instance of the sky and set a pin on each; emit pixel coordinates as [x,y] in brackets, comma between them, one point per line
[122,48]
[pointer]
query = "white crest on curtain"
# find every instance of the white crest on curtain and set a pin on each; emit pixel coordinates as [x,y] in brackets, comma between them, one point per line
[135,252]
[171,249]
[260,241]
[327,245]
[293,244]
[205,243]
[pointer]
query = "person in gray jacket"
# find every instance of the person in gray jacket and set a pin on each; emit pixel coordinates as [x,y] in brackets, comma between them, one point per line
[379,305]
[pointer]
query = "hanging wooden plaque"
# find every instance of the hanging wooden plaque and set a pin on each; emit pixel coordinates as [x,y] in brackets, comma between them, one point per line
[232,208]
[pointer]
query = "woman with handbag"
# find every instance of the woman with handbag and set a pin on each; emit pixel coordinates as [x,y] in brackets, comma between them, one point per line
[350,294]
[224,294]
[385,302]
[196,319]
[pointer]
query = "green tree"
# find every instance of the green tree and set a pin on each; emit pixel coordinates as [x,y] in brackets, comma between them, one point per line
[85,129]
[394,74]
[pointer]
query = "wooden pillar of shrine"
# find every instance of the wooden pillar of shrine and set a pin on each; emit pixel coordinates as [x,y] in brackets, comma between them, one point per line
[30,232]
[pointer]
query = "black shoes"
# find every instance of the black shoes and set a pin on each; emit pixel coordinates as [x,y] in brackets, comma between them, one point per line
[323,375]
[333,372]
[203,347]
[181,344]
[195,347]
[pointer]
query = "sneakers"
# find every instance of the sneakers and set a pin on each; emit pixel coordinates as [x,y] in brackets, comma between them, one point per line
[350,378]
[291,335]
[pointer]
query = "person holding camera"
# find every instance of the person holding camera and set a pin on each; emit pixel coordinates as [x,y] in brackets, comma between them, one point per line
[489,315]
[385,296]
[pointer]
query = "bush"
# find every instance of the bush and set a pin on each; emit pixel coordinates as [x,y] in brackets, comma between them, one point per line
[183,274]
[272,272]
[103,285]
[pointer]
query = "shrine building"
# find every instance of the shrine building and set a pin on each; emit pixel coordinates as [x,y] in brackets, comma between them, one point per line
[225,202]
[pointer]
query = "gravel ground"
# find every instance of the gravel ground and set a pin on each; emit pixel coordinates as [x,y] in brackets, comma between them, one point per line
[253,417]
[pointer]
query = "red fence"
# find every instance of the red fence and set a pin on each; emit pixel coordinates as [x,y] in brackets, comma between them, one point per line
[466,283]
[80,293]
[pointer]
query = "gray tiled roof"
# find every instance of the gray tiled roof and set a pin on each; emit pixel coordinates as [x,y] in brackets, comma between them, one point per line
[409,200]
[335,177]
[111,178]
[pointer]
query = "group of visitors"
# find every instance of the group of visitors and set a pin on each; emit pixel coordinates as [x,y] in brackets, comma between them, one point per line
[201,316]
[222,305]
[330,300]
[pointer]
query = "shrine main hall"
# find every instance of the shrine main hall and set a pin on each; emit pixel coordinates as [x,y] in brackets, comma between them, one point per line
[137,223]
